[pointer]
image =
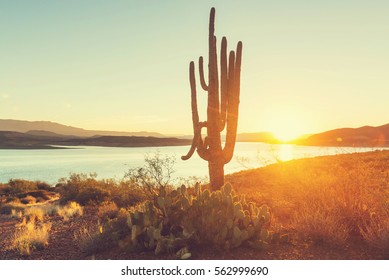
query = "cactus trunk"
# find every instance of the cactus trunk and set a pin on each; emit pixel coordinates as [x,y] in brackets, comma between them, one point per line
[222,110]
[216,174]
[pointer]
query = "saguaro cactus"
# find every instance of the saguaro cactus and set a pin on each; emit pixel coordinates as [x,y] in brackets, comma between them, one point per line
[222,112]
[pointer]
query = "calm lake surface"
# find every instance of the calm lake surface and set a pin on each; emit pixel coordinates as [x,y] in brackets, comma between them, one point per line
[51,165]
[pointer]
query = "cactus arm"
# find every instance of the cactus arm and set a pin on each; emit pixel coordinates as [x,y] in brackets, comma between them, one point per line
[238,64]
[213,109]
[213,96]
[233,102]
[201,73]
[195,114]
[192,148]
[223,84]
[202,148]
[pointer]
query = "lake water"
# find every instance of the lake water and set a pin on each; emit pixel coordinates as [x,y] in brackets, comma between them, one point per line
[51,165]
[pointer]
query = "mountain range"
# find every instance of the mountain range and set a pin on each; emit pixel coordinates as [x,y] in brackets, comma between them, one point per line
[47,126]
[365,136]
[16,134]
[18,140]
[46,134]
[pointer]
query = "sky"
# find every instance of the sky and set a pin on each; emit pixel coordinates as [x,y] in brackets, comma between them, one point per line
[307,66]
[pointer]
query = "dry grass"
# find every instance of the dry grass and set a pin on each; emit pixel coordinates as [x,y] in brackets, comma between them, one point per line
[70,210]
[377,233]
[320,226]
[16,213]
[34,213]
[51,209]
[31,236]
[31,233]
[325,199]
[91,239]
[108,210]
[6,209]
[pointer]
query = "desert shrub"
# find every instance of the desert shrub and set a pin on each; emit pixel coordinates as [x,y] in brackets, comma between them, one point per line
[45,195]
[12,199]
[34,213]
[17,186]
[108,210]
[91,240]
[43,186]
[155,174]
[125,194]
[28,200]
[70,210]
[84,189]
[117,228]
[92,195]
[101,237]
[4,189]
[51,209]
[68,192]
[30,237]
[7,209]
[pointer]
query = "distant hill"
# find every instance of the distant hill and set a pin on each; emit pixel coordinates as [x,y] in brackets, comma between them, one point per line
[18,140]
[47,134]
[256,137]
[366,136]
[47,126]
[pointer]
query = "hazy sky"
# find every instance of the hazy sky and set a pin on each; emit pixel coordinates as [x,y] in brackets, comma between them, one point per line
[307,65]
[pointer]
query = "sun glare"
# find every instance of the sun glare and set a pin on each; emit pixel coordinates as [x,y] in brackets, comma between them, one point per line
[287,128]
[285,134]
[285,152]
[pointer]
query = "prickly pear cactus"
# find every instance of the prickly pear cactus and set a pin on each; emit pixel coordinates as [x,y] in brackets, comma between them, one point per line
[178,220]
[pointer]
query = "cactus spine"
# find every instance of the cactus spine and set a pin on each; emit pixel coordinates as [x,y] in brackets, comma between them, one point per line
[221,112]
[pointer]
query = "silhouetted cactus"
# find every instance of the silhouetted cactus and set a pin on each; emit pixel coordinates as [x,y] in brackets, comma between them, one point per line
[222,112]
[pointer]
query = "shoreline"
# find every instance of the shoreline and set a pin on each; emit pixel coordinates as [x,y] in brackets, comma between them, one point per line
[146,145]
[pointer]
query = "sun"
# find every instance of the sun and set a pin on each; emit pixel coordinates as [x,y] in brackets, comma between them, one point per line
[285,135]
[286,128]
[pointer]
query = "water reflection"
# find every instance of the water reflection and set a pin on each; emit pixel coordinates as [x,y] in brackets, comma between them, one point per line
[285,152]
[50,165]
